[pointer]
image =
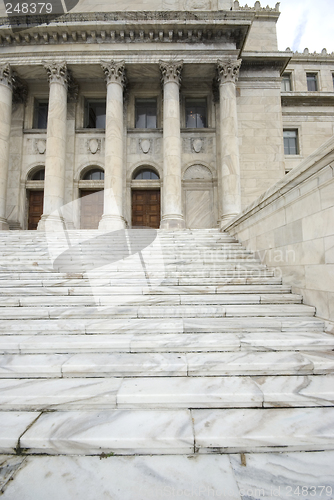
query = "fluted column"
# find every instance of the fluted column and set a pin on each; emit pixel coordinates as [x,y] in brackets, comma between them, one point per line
[228,72]
[112,218]
[172,216]
[6,92]
[54,184]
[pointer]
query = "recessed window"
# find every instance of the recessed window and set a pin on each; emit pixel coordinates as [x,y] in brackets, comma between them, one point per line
[290,138]
[286,82]
[39,175]
[333,79]
[312,82]
[146,174]
[94,175]
[196,113]
[95,113]
[41,107]
[146,113]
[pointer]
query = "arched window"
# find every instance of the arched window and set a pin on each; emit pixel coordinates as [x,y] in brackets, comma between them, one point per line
[39,175]
[146,174]
[95,174]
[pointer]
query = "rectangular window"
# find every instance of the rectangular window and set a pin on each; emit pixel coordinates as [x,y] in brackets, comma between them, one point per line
[333,79]
[95,113]
[41,107]
[312,82]
[196,113]
[146,113]
[290,138]
[286,82]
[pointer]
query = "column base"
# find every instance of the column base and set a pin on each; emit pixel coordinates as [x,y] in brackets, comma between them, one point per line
[172,223]
[112,223]
[226,219]
[3,225]
[51,223]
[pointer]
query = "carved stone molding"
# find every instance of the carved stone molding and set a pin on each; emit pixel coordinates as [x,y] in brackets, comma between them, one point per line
[6,75]
[20,89]
[57,72]
[228,71]
[73,88]
[114,72]
[40,146]
[171,71]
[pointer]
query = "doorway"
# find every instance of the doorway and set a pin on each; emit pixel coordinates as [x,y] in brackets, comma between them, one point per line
[146,208]
[35,212]
[91,208]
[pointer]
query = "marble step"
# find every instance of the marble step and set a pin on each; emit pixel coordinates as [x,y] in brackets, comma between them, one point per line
[175,432]
[65,326]
[165,364]
[115,300]
[157,311]
[165,342]
[166,393]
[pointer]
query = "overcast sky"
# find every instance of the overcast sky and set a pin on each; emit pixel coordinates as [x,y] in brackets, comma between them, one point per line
[304,23]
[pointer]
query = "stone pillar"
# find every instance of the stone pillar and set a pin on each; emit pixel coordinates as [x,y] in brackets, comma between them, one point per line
[230,194]
[6,92]
[112,218]
[172,216]
[54,184]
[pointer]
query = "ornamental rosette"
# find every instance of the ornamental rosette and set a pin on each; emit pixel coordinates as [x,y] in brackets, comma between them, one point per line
[6,75]
[171,71]
[57,72]
[228,71]
[114,72]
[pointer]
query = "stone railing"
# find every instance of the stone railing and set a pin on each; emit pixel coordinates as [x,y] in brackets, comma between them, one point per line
[291,227]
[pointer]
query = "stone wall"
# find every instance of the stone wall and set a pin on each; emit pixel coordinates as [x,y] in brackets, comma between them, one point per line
[291,227]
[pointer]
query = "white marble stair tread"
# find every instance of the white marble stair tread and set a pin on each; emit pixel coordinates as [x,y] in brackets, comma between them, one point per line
[115,431]
[294,341]
[269,429]
[244,325]
[12,425]
[259,363]
[32,365]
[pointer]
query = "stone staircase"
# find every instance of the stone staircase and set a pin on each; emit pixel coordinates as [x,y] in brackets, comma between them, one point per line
[150,342]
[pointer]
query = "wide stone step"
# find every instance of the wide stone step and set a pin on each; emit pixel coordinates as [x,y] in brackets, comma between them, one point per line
[150,342]
[165,364]
[157,311]
[166,393]
[151,432]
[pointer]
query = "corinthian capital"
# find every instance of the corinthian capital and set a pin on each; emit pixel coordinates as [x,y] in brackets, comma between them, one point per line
[171,71]
[228,71]
[6,76]
[114,72]
[57,72]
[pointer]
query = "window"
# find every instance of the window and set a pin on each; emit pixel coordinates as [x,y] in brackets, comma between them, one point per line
[41,107]
[146,174]
[290,138]
[333,79]
[94,175]
[95,113]
[286,82]
[312,82]
[196,113]
[39,175]
[146,113]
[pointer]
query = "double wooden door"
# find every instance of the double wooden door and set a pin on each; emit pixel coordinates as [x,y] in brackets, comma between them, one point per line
[36,199]
[146,208]
[91,208]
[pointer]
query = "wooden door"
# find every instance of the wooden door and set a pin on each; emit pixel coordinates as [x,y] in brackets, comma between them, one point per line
[146,208]
[35,212]
[91,208]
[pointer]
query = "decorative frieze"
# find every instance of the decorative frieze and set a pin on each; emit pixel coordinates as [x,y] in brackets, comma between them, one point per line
[171,71]
[228,71]
[114,72]
[6,75]
[57,72]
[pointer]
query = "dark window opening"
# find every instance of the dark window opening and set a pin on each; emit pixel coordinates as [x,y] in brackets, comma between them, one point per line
[290,138]
[286,82]
[196,113]
[39,175]
[95,113]
[312,82]
[94,175]
[146,113]
[146,174]
[41,107]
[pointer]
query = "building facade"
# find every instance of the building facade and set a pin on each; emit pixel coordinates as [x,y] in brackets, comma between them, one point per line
[166,114]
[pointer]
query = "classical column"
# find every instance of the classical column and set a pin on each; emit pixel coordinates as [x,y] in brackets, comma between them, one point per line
[228,72]
[6,91]
[54,184]
[112,218]
[172,216]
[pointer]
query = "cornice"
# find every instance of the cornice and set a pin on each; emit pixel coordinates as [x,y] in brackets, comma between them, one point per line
[307,99]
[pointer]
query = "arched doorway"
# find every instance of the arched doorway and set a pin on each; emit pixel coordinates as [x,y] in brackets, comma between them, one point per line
[145,194]
[91,198]
[35,195]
